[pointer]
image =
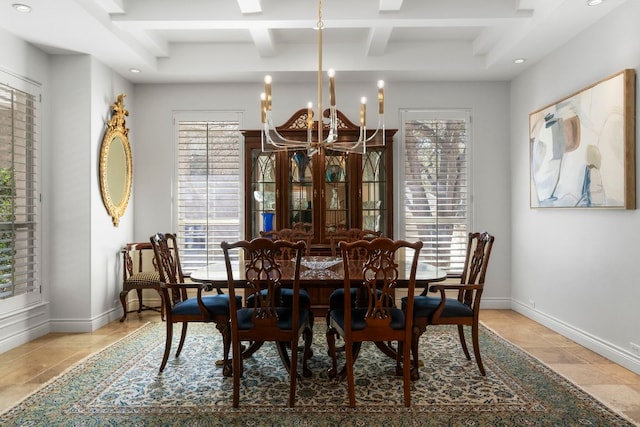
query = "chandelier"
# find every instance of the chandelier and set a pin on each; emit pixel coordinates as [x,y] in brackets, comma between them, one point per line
[277,142]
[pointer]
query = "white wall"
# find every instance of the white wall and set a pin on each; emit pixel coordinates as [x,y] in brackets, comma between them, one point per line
[578,266]
[70,219]
[489,102]
[85,278]
[107,240]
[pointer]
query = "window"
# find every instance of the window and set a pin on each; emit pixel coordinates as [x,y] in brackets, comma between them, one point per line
[19,216]
[435,201]
[208,186]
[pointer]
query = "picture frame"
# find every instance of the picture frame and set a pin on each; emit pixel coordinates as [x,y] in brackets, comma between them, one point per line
[582,148]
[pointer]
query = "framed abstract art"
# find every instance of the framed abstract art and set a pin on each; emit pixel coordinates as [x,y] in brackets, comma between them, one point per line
[582,148]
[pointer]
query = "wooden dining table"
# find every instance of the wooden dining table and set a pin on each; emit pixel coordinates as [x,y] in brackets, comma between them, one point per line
[319,272]
[316,272]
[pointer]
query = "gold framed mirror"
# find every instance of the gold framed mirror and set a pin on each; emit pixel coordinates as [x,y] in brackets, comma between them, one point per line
[116,163]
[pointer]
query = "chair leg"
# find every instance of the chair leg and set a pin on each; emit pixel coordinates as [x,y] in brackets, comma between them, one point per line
[331,345]
[415,339]
[225,331]
[167,346]
[348,351]
[139,292]
[123,301]
[183,336]
[284,356]
[237,372]
[463,342]
[399,357]
[476,348]
[161,304]
[293,372]
[308,339]
[406,372]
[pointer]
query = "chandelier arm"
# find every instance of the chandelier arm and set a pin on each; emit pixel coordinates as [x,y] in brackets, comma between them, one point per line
[281,141]
[285,144]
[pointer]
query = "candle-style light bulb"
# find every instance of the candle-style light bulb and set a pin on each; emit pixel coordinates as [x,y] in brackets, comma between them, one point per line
[380,97]
[363,111]
[263,107]
[309,115]
[332,86]
[267,91]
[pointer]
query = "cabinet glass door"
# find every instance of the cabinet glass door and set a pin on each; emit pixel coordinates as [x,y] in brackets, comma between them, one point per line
[264,191]
[374,190]
[336,191]
[300,203]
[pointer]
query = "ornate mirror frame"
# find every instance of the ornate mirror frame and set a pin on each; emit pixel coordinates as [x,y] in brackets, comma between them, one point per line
[116,163]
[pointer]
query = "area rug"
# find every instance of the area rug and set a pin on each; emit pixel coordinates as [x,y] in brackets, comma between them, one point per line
[120,386]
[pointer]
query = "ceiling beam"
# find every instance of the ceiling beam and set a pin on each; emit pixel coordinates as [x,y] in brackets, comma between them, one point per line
[249,6]
[263,40]
[378,40]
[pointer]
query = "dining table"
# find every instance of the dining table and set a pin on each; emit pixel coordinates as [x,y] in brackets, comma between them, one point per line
[319,272]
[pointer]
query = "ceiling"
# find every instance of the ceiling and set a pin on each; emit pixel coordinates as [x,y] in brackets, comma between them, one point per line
[241,40]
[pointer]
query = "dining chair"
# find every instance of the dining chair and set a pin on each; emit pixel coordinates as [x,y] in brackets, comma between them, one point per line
[182,308]
[378,320]
[285,253]
[290,235]
[350,235]
[336,298]
[139,273]
[464,310]
[265,318]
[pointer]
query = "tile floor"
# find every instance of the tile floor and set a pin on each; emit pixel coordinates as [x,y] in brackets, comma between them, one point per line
[24,369]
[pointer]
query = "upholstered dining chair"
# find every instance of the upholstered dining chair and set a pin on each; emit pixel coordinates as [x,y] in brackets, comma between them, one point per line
[350,235]
[464,310]
[336,298]
[180,307]
[379,320]
[285,253]
[290,235]
[139,273]
[264,318]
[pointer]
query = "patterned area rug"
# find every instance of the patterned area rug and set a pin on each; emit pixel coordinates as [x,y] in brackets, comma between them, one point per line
[120,386]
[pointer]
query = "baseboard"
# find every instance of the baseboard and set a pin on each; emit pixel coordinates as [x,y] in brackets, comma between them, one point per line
[24,325]
[614,353]
[23,337]
[488,303]
[85,325]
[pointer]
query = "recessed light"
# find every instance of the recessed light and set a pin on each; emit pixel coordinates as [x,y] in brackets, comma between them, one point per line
[594,2]
[519,60]
[20,7]
[134,70]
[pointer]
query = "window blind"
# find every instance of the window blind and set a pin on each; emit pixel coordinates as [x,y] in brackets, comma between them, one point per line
[19,219]
[208,190]
[436,185]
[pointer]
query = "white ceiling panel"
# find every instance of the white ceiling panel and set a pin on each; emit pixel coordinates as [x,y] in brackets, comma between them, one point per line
[241,40]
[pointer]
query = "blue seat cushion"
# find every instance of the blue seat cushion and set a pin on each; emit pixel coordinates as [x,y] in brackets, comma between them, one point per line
[215,304]
[284,318]
[424,306]
[286,294]
[357,318]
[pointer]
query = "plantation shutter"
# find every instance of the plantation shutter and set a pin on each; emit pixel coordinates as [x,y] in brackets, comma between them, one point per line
[436,185]
[208,190]
[19,219]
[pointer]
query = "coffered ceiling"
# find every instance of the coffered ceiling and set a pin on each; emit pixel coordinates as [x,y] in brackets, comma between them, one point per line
[241,40]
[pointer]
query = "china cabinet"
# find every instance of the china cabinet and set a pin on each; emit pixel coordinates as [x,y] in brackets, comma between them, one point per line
[322,193]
